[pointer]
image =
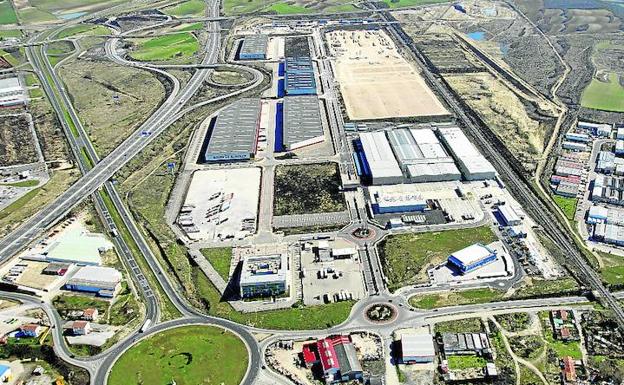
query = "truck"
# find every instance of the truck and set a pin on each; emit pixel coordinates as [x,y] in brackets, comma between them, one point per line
[145,326]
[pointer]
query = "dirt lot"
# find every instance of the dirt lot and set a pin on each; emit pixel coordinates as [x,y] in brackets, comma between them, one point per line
[16,141]
[376,82]
[94,86]
[503,112]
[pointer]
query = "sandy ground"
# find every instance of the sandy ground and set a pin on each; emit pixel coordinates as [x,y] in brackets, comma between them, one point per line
[376,82]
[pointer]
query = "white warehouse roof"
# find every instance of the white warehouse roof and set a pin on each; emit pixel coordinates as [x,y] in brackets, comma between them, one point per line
[473,164]
[508,213]
[473,253]
[97,274]
[379,155]
[417,345]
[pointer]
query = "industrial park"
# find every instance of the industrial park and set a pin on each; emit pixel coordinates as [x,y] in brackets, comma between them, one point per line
[295,192]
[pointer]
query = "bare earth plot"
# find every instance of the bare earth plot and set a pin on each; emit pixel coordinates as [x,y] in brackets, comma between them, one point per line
[376,82]
[16,141]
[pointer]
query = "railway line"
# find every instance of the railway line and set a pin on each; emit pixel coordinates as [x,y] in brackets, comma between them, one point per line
[515,180]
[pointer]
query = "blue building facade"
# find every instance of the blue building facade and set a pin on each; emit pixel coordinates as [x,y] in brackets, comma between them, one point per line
[472,258]
[299,76]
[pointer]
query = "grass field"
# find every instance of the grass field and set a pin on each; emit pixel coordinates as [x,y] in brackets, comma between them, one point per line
[406,256]
[308,189]
[567,205]
[24,183]
[220,258]
[465,325]
[83,30]
[237,7]
[465,362]
[187,8]
[410,3]
[465,297]
[190,355]
[303,318]
[10,32]
[542,287]
[7,14]
[613,271]
[607,96]
[175,46]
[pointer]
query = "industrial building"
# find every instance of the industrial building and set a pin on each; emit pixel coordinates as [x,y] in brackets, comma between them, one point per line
[620,133]
[103,281]
[567,189]
[234,134]
[603,130]
[508,215]
[576,137]
[472,164]
[264,276]
[421,155]
[466,344]
[387,201]
[609,233]
[302,122]
[471,258]
[254,47]
[299,76]
[574,146]
[5,373]
[417,348]
[337,358]
[12,93]
[379,159]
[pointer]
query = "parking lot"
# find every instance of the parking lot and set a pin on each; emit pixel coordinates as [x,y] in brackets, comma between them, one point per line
[221,204]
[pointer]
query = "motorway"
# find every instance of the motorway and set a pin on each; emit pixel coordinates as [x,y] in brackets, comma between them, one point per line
[171,110]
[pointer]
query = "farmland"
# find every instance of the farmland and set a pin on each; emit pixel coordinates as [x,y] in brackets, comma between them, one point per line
[187,8]
[7,14]
[237,7]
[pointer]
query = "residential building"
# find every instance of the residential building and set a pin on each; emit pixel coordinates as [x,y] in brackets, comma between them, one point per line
[90,314]
[81,328]
[31,330]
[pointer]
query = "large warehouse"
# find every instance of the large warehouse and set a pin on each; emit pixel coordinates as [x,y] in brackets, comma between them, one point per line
[103,281]
[264,276]
[472,164]
[235,132]
[11,92]
[379,159]
[254,47]
[299,77]
[421,156]
[471,258]
[417,348]
[302,122]
[395,200]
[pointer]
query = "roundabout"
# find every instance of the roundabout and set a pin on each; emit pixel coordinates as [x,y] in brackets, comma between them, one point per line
[381,313]
[185,355]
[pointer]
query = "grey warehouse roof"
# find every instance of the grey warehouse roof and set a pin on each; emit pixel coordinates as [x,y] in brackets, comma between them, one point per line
[302,119]
[235,128]
[254,44]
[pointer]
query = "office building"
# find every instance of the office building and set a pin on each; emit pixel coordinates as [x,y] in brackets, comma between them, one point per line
[264,276]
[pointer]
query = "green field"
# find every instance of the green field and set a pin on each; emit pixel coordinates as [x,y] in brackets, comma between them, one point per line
[189,355]
[237,7]
[220,258]
[7,14]
[465,362]
[187,8]
[464,297]
[410,3]
[83,30]
[606,96]
[567,205]
[175,46]
[10,32]
[405,257]
[23,183]
[613,270]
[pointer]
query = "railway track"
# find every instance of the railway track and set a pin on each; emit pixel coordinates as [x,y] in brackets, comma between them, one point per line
[516,181]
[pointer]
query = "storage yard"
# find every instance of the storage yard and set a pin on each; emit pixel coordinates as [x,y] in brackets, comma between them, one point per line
[221,204]
[376,82]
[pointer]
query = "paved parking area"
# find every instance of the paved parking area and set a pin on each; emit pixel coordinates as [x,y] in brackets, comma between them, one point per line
[221,204]
[343,275]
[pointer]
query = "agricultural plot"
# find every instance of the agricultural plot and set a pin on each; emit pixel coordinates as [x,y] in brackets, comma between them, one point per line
[187,8]
[7,14]
[101,90]
[308,189]
[190,355]
[376,82]
[177,46]
[237,7]
[39,11]
[605,92]
[410,3]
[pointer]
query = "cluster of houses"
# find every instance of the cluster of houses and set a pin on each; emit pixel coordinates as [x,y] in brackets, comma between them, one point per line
[564,325]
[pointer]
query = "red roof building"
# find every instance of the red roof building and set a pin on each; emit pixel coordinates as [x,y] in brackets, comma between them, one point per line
[565,333]
[569,370]
[310,355]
